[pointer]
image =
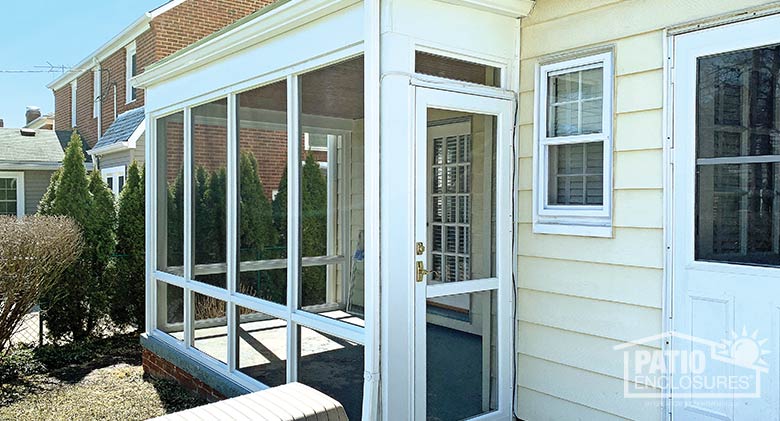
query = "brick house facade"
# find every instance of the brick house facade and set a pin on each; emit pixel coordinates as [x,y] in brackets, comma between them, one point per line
[156,35]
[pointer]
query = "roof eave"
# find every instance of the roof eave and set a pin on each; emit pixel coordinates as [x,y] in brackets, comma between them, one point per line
[511,8]
[113,45]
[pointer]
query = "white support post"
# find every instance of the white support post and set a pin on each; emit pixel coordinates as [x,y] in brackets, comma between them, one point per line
[189,319]
[232,228]
[293,222]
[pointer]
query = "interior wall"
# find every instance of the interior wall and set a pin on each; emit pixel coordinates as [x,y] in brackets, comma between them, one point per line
[578,296]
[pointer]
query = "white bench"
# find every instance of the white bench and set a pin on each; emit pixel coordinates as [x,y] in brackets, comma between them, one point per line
[290,402]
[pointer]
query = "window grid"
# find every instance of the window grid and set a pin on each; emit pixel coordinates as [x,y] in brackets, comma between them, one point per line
[451,203]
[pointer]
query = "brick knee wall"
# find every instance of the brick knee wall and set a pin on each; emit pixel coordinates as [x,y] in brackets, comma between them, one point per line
[159,368]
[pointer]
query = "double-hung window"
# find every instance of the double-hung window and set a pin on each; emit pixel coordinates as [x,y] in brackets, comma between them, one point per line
[12,193]
[131,64]
[573,181]
[114,178]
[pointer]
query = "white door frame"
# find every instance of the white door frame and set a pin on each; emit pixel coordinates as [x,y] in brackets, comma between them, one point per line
[684,48]
[502,109]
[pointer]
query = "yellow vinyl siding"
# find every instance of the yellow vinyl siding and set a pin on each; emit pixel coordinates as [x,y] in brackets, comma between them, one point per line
[578,297]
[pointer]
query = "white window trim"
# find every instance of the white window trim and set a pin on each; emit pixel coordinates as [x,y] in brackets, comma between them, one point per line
[114,173]
[19,176]
[130,51]
[96,92]
[582,220]
[73,108]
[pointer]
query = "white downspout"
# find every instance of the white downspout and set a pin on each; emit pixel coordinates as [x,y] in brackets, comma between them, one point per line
[372,53]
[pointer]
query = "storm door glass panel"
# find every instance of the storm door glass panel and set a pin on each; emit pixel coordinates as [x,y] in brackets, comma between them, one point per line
[209,200]
[461,369]
[262,346]
[262,184]
[331,186]
[738,157]
[170,194]
[210,327]
[461,204]
[334,366]
[8,204]
[170,309]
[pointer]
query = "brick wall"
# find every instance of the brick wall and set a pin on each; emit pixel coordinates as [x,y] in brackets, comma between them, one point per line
[85,91]
[62,107]
[113,75]
[162,369]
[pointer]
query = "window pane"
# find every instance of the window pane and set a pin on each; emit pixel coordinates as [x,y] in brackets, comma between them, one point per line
[262,183]
[451,68]
[170,309]
[333,366]
[461,338]
[575,103]
[209,140]
[462,218]
[8,196]
[331,217]
[210,329]
[262,347]
[170,194]
[576,174]
[737,200]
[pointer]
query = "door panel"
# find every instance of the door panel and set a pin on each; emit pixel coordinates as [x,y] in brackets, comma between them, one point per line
[462,293]
[726,213]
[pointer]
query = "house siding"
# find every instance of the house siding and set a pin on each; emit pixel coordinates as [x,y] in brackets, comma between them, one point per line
[578,296]
[35,185]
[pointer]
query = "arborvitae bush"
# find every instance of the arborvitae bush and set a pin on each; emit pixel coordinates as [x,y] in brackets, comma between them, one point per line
[128,280]
[314,230]
[77,302]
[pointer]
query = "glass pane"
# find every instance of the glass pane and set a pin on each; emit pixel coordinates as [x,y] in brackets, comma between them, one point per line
[262,183]
[738,157]
[331,218]
[334,366]
[575,102]
[209,140]
[8,196]
[170,194]
[262,347]
[210,329]
[461,338]
[576,174]
[170,309]
[450,68]
[461,235]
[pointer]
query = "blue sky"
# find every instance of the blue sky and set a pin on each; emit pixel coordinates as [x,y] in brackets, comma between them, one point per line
[55,31]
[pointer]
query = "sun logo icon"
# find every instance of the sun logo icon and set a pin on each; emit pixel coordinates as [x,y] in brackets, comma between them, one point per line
[745,350]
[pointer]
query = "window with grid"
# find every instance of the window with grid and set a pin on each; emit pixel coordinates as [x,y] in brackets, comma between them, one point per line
[8,196]
[451,207]
[573,182]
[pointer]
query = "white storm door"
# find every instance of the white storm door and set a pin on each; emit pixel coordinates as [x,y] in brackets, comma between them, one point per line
[463,230]
[726,220]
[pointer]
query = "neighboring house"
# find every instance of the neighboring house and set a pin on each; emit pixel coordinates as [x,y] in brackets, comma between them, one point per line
[97,94]
[520,194]
[28,157]
[37,121]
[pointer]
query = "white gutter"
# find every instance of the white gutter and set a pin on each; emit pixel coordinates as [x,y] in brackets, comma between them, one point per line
[103,52]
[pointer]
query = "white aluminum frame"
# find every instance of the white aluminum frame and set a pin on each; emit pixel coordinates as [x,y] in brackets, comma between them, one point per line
[293,316]
[19,176]
[73,106]
[502,108]
[584,220]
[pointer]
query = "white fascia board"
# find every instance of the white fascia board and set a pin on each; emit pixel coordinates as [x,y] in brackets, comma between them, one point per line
[276,21]
[115,147]
[112,46]
[137,133]
[164,8]
[511,8]
[28,165]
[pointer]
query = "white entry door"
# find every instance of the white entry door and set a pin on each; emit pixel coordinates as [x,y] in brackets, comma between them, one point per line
[726,221]
[463,297]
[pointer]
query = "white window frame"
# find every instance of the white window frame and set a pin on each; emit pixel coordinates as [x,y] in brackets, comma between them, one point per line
[73,108]
[19,176]
[130,51]
[584,220]
[96,92]
[114,173]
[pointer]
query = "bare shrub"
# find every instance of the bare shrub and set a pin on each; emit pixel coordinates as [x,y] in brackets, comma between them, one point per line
[34,251]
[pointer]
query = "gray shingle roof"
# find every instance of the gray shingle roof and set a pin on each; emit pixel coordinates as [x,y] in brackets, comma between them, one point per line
[64,137]
[44,147]
[122,128]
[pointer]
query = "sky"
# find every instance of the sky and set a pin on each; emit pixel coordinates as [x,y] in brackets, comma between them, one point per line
[60,32]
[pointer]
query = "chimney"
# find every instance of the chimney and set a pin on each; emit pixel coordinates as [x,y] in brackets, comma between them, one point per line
[2,124]
[32,113]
